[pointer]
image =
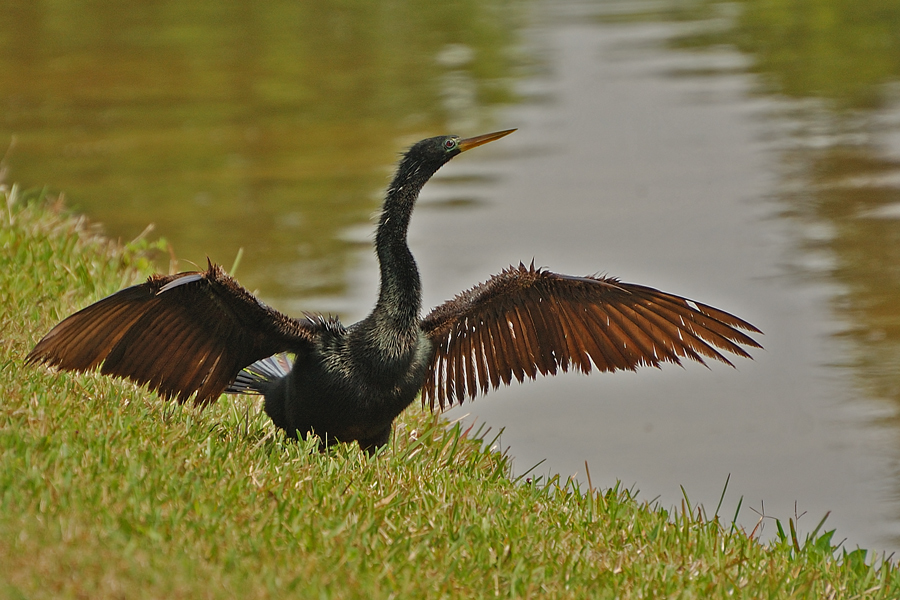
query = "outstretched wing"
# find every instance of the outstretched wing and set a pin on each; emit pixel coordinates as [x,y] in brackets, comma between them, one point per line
[179,334]
[526,321]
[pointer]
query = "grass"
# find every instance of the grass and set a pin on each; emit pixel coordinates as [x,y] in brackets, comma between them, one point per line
[108,492]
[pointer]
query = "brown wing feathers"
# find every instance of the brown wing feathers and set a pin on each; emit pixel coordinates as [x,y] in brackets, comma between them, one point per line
[526,320]
[191,333]
[179,334]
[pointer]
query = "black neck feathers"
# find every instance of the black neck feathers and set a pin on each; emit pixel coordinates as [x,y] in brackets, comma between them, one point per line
[400,295]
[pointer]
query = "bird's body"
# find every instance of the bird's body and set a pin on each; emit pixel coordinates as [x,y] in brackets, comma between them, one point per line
[350,385]
[200,333]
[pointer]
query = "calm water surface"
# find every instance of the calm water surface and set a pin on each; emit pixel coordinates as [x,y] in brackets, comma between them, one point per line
[747,158]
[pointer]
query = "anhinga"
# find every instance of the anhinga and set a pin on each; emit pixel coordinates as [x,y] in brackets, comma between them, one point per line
[201,334]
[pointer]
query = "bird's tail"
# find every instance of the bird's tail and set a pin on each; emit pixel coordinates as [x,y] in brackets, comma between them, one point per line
[257,377]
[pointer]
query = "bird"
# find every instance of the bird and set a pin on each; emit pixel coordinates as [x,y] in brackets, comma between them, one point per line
[196,335]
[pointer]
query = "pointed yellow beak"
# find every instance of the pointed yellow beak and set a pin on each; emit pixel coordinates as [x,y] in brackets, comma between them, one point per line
[478,140]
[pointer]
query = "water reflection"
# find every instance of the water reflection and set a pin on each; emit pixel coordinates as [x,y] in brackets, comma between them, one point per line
[832,67]
[839,63]
[239,124]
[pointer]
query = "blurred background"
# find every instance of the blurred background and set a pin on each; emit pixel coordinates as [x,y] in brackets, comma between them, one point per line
[745,154]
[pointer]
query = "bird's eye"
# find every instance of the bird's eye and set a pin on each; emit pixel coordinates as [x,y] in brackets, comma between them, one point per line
[450,143]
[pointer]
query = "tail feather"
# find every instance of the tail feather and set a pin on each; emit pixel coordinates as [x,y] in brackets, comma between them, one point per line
[255,378]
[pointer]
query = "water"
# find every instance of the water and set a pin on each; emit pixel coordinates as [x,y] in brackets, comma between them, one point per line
[748,159]
[674,181]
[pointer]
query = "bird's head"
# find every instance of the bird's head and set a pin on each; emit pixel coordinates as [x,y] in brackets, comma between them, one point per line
[438,150]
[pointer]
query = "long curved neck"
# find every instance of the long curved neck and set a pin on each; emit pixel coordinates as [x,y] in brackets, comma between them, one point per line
[400,295]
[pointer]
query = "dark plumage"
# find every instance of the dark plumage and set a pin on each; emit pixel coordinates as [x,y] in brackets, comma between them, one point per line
[201,334]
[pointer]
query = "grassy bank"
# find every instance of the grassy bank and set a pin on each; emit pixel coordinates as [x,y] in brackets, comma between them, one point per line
[108,492]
